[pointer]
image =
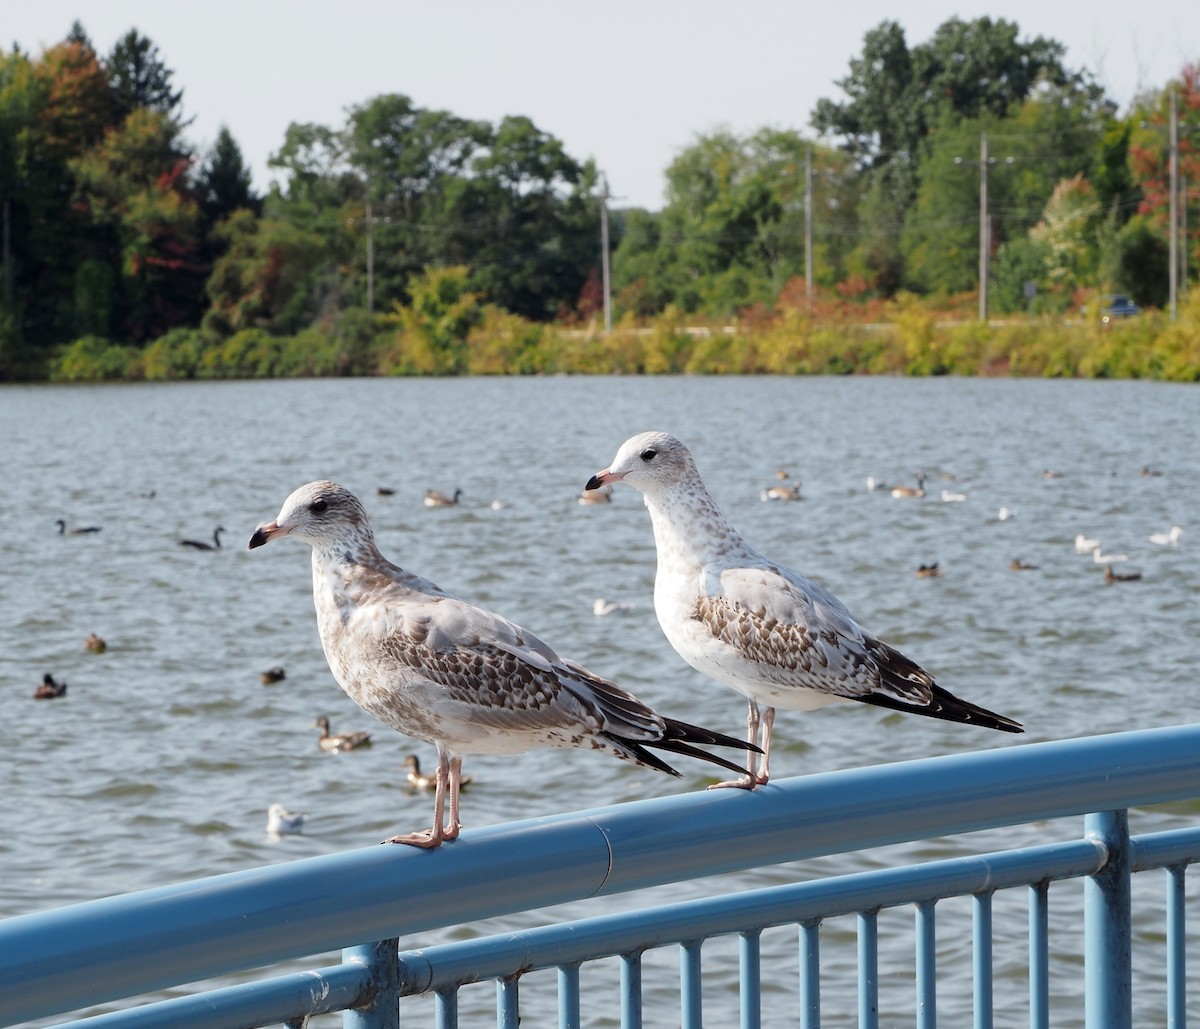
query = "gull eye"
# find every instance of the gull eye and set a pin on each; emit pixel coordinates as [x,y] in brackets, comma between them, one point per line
[648,455]
[318,506]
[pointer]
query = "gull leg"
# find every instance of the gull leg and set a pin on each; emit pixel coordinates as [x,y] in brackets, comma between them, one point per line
[450,832]
[751,778]
[430,838]
[764,764]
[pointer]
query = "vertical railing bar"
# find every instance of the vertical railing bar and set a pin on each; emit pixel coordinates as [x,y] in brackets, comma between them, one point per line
[981,959]
[926,929]
[868,969]
[1039,955]
[1176,949]
[750,966]
[568,996]
[446,1008]
[508,1003]
[810,975]
[381,960]
[1107,927]
[690,986]
[631,990]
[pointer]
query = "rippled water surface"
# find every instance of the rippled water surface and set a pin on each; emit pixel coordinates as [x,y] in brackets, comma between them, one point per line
[159,764]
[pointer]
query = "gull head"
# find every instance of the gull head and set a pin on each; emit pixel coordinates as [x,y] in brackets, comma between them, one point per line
[652,462]
[321,513]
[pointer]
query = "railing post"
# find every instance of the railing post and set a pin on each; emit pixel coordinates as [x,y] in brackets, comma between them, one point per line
[382,1010]
[1108,998]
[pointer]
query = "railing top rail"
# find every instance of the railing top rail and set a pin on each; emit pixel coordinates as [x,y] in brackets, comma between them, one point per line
[66,958]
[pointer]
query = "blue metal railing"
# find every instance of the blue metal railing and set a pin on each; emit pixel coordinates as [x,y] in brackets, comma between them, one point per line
[107,950]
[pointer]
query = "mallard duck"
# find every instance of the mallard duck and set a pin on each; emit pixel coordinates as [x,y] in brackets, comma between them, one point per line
[791,492]
[928,571]
[342,740]
[906,492]
[273,675]
[436,498]
[281,821]
[201,545]
[1111,576]
[49,689]
[81,530]
[419,780]
[95,644]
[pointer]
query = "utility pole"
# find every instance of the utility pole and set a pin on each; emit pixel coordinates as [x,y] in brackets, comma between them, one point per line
[985,248]
[604,272]
[808,216]
[1174,208]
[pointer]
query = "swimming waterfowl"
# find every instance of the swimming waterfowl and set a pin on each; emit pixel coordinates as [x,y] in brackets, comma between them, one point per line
[335,743]
[1085,544]
[419,780]
[1107,559]
[436,498]
[201,545]
[49,689]
[384,491]
[599,496]
[81,530]
[273,675]
[281,821]
[928,571]
[791,492]
[952,498]
[906,492]
[1017,565]
[1166,539]
[1111,576]
[95,644]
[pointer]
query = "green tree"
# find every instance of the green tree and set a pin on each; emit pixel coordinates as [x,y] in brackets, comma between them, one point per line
[224,184]
[139,78]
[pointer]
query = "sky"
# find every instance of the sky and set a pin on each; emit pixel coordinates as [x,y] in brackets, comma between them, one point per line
[627,83]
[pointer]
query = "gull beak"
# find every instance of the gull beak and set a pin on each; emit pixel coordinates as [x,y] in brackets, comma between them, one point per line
[603,479]
[265,533]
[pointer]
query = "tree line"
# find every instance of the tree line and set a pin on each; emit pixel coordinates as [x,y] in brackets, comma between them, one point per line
[387,240]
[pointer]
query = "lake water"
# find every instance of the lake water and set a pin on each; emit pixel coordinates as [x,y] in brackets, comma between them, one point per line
[159,764]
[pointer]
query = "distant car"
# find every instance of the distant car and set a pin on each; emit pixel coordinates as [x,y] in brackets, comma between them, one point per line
[1118,306]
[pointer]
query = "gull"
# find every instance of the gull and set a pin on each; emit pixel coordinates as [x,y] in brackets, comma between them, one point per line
[602,607]
[952,498]
[1085,545]
[779,639]
[281,821]
[1107,559]
[1166,539]
[441,670]
[1004,514]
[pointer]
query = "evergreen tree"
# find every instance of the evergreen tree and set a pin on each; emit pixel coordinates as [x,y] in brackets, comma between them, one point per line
[139,78]
[223,184]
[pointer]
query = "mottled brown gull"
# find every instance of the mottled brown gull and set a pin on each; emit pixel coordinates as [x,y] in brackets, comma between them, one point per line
[457,676]
[779,639]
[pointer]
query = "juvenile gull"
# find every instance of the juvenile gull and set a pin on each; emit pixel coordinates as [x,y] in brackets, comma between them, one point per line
[779,639]
[451,674]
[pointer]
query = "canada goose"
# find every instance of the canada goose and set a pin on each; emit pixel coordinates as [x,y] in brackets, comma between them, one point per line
[81,530]
[95,644]
[273,675]
[928,571]
[436,498]
[201,545]
[335,743]
[49,689]
[904,492]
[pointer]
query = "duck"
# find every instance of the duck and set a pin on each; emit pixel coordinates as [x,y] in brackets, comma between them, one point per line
[336,743]
[928,571]
[49,689]
[791,492]
[905,492]
[1085,545]
[1017,565]
[597,496]
[436,498]
[201,545]
[782,474]
[273,675]
[419,780]
[95,644]
[384,491]
[1107,559]
[80,530]
[1111,576]
[1050,473]
[282,822]
[1149,472]
[1166,539]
